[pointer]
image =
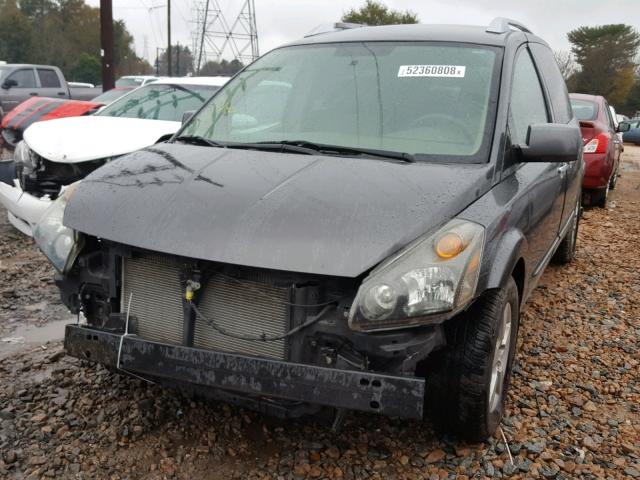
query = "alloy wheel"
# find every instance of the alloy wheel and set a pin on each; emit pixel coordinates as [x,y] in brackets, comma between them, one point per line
[500,362]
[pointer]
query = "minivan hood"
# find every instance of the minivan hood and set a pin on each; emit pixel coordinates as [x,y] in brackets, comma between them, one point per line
[313,214]
[78,139]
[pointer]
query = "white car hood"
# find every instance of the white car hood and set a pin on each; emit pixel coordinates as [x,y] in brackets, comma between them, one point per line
[78,139]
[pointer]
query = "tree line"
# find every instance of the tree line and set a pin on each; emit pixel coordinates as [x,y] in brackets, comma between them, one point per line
[183,63]
[65,33]
[603,61]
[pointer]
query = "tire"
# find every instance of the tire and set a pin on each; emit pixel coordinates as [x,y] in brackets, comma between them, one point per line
[466,391]
[599,197]
[567,249]
[613,180]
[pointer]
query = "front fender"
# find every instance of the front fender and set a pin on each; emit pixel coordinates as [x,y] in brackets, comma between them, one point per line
[501,259]
[504,212]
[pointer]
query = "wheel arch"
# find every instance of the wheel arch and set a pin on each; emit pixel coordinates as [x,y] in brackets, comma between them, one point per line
[506,260]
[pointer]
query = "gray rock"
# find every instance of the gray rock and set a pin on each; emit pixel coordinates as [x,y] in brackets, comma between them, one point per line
[548,471]
[632,472]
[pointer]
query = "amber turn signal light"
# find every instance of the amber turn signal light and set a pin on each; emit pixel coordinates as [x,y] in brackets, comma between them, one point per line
[449,245]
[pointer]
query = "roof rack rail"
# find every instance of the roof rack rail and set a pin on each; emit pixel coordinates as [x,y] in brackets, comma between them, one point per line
[504,25]
[333,27]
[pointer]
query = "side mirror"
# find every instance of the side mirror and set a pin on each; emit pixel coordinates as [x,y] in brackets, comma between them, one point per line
[186,116]
[623,127]
[552,142]
[8,83]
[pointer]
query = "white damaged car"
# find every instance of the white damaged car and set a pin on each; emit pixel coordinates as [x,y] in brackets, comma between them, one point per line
[57,153]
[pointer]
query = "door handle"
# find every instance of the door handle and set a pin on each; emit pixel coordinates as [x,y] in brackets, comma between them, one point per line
[33,94]
[62,94]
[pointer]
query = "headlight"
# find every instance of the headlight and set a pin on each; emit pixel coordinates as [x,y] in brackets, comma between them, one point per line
[25,157]
[26,160]
[59,243]
[436,274]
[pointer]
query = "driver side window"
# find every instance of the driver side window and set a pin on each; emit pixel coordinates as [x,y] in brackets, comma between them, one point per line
[527,99]
[24,78]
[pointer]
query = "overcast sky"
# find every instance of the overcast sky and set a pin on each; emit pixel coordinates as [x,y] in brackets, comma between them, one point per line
[280,21]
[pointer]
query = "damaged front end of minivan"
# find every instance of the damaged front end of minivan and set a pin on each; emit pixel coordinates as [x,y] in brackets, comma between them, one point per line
[285,340]
[279,339]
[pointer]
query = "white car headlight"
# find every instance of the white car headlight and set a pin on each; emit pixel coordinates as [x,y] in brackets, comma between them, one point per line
[434,275]
[60,244]
[25,157]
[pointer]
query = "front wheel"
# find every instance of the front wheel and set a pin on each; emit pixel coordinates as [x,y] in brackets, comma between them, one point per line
[467,384]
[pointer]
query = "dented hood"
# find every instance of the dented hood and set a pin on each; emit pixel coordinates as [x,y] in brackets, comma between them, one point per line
[314,214]
[78,139]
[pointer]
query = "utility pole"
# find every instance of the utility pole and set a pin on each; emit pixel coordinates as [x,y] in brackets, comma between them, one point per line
[178,59]
[157,61]
[106,44]
[169,37]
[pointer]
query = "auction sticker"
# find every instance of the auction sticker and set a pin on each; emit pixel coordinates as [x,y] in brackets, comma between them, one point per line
[454,71]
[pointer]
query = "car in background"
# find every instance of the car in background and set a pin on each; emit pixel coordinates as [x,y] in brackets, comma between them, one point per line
[632,135]
[621,118]
[18,82]
[134,81]
[40,109]
[602,147]
[57,153]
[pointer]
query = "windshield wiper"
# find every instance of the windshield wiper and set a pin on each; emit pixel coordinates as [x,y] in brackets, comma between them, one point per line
[274,147]
[299,146]
[267,146]
[199,140]
[190,92]
[340,150]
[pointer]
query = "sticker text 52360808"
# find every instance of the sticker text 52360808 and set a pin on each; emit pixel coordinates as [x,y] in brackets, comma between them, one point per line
[455,71]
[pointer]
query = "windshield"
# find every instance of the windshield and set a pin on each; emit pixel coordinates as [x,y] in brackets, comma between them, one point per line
[4,70]
[427,99]
[583,109]
[160,101]
[111,95]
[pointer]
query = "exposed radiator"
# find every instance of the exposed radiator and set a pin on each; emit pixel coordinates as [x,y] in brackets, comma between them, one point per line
[246,307]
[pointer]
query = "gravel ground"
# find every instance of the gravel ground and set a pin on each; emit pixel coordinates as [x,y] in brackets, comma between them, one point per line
[28,295]
[573,410]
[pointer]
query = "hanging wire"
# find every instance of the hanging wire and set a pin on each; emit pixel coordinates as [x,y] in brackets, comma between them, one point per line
[263,337]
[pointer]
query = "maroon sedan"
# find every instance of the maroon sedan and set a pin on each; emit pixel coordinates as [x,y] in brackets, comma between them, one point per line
[602,147]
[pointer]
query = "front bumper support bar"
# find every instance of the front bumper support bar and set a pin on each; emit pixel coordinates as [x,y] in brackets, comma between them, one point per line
[347,389]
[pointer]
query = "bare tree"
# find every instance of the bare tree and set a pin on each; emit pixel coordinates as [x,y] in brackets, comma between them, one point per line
[565,62]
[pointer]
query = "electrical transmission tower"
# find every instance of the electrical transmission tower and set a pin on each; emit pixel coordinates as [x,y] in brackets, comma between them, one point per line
[214,37]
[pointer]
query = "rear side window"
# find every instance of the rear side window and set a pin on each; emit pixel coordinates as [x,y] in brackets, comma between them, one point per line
[48,78]
[24,78]
[527,99]
[610,120]
[584,109]
[556,86]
